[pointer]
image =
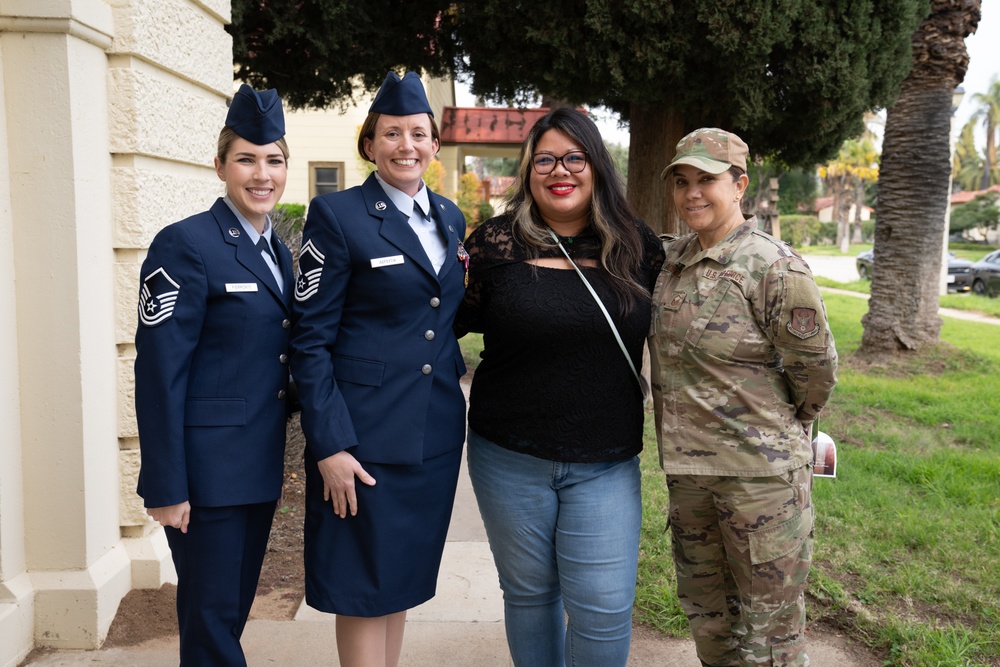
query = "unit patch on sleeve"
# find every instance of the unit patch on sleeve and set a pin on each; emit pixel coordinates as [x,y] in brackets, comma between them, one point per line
[157,298]
[803,323]
[310,270]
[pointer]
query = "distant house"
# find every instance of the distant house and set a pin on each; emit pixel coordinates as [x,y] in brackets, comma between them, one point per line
[823,209]
[964,197]
[498,187]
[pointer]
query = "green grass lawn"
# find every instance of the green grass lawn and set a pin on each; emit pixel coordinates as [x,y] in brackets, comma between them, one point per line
[965,301]
[908,536]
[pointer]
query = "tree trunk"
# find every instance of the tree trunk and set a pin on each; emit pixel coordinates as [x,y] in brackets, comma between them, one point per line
[913,186]
[859,203]
[909,228]
[653,136]
[990,154]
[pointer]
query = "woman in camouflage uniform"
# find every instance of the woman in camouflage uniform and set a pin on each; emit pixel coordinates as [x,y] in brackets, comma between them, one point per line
[742,363]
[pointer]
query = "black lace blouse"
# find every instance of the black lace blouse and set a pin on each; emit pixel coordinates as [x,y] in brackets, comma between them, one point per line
[553,382]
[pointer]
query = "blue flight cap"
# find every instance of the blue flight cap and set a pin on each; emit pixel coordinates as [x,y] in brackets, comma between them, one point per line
[401,97]
[257,117]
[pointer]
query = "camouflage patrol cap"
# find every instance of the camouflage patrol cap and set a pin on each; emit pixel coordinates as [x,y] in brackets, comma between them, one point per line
[710,149]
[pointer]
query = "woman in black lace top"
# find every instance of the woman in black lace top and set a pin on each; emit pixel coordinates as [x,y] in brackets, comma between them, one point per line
[555,417]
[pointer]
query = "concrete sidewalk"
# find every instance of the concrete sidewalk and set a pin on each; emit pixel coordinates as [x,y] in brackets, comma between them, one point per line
[461,627]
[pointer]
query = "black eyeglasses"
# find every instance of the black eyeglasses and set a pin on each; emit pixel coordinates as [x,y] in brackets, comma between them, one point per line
[574,162]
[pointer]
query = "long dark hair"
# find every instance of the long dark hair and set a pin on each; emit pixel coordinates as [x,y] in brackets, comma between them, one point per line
[611,216]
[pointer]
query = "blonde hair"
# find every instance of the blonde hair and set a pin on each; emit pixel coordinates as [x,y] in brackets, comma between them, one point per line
[227,136]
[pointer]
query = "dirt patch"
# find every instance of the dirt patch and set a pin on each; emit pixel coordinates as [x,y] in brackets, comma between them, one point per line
[144,615]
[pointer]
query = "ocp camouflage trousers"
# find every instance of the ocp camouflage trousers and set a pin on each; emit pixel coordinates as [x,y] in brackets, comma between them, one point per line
[742,548]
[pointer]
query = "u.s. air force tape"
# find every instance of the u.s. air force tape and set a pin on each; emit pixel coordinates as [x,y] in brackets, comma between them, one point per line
[310,269]
[157,298]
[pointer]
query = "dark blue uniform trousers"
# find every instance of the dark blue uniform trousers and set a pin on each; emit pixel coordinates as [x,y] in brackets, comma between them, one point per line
[218,564]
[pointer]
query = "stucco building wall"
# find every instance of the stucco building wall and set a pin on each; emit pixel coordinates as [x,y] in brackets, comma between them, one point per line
[109,112]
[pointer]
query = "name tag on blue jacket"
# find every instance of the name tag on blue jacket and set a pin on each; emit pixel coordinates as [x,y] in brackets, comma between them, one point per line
[379,262]
[241,287]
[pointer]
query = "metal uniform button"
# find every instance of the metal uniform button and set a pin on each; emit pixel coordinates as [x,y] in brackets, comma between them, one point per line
[426,369]
[283,358]
[286,324]
[281,394]
[435,302]
[429,334]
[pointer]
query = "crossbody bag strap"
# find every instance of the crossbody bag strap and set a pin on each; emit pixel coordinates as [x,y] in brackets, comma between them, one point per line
[604,310]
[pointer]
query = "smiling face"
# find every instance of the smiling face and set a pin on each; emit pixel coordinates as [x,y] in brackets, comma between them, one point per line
[563,198]
[255,178]
[708,203]
[402,149]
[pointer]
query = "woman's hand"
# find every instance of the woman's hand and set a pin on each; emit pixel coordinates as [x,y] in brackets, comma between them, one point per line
[175,516]
[338,473]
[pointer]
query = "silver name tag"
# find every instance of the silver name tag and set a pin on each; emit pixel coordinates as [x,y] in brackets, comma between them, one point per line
[241,287]
[386,261]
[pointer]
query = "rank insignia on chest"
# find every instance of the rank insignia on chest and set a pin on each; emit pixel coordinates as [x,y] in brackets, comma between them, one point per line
[676,299]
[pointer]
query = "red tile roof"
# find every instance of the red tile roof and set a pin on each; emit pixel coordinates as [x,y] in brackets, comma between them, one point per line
[486,125]
[968,195]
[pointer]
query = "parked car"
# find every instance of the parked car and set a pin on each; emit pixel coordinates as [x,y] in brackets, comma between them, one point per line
[959,270]
[986,275]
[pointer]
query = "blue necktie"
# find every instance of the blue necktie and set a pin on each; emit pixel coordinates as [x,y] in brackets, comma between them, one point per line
[265,247]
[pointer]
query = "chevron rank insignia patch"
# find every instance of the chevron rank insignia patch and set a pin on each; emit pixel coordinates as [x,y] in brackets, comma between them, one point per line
[309,272]
[157,298]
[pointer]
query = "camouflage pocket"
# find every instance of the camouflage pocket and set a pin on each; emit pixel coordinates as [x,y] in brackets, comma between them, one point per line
[780,557]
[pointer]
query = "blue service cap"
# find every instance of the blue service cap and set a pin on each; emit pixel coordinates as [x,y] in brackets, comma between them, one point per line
[401,97]
[256,116]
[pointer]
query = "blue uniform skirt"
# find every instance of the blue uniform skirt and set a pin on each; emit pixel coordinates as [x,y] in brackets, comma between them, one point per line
[385,559]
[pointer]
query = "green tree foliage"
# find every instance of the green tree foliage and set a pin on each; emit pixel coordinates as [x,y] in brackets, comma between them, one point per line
[320,53]
[967,166]
[989,114]
[796,187]
[981,214]
[793,77]
[846,177]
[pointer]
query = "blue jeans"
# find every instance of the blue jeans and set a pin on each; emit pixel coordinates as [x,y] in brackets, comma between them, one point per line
[565,539]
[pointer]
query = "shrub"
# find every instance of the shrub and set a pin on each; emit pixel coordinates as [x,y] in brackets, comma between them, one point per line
[468,198]
[434,176]
[799,230]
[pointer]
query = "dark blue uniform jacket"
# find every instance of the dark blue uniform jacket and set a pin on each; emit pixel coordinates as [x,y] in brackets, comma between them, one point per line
[211,369]
[374,356]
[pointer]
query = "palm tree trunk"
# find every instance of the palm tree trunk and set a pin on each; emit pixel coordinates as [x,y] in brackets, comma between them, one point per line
[913,186]
[913,196]
[859,203]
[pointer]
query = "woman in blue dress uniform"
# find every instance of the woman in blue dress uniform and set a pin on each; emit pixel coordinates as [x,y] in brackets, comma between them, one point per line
[380,277]
[211,373]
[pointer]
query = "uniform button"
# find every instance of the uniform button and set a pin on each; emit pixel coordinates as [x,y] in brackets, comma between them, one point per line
[281,394]
[426,369]
[286,324]
[429,334]
[283,358]
[435,302]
